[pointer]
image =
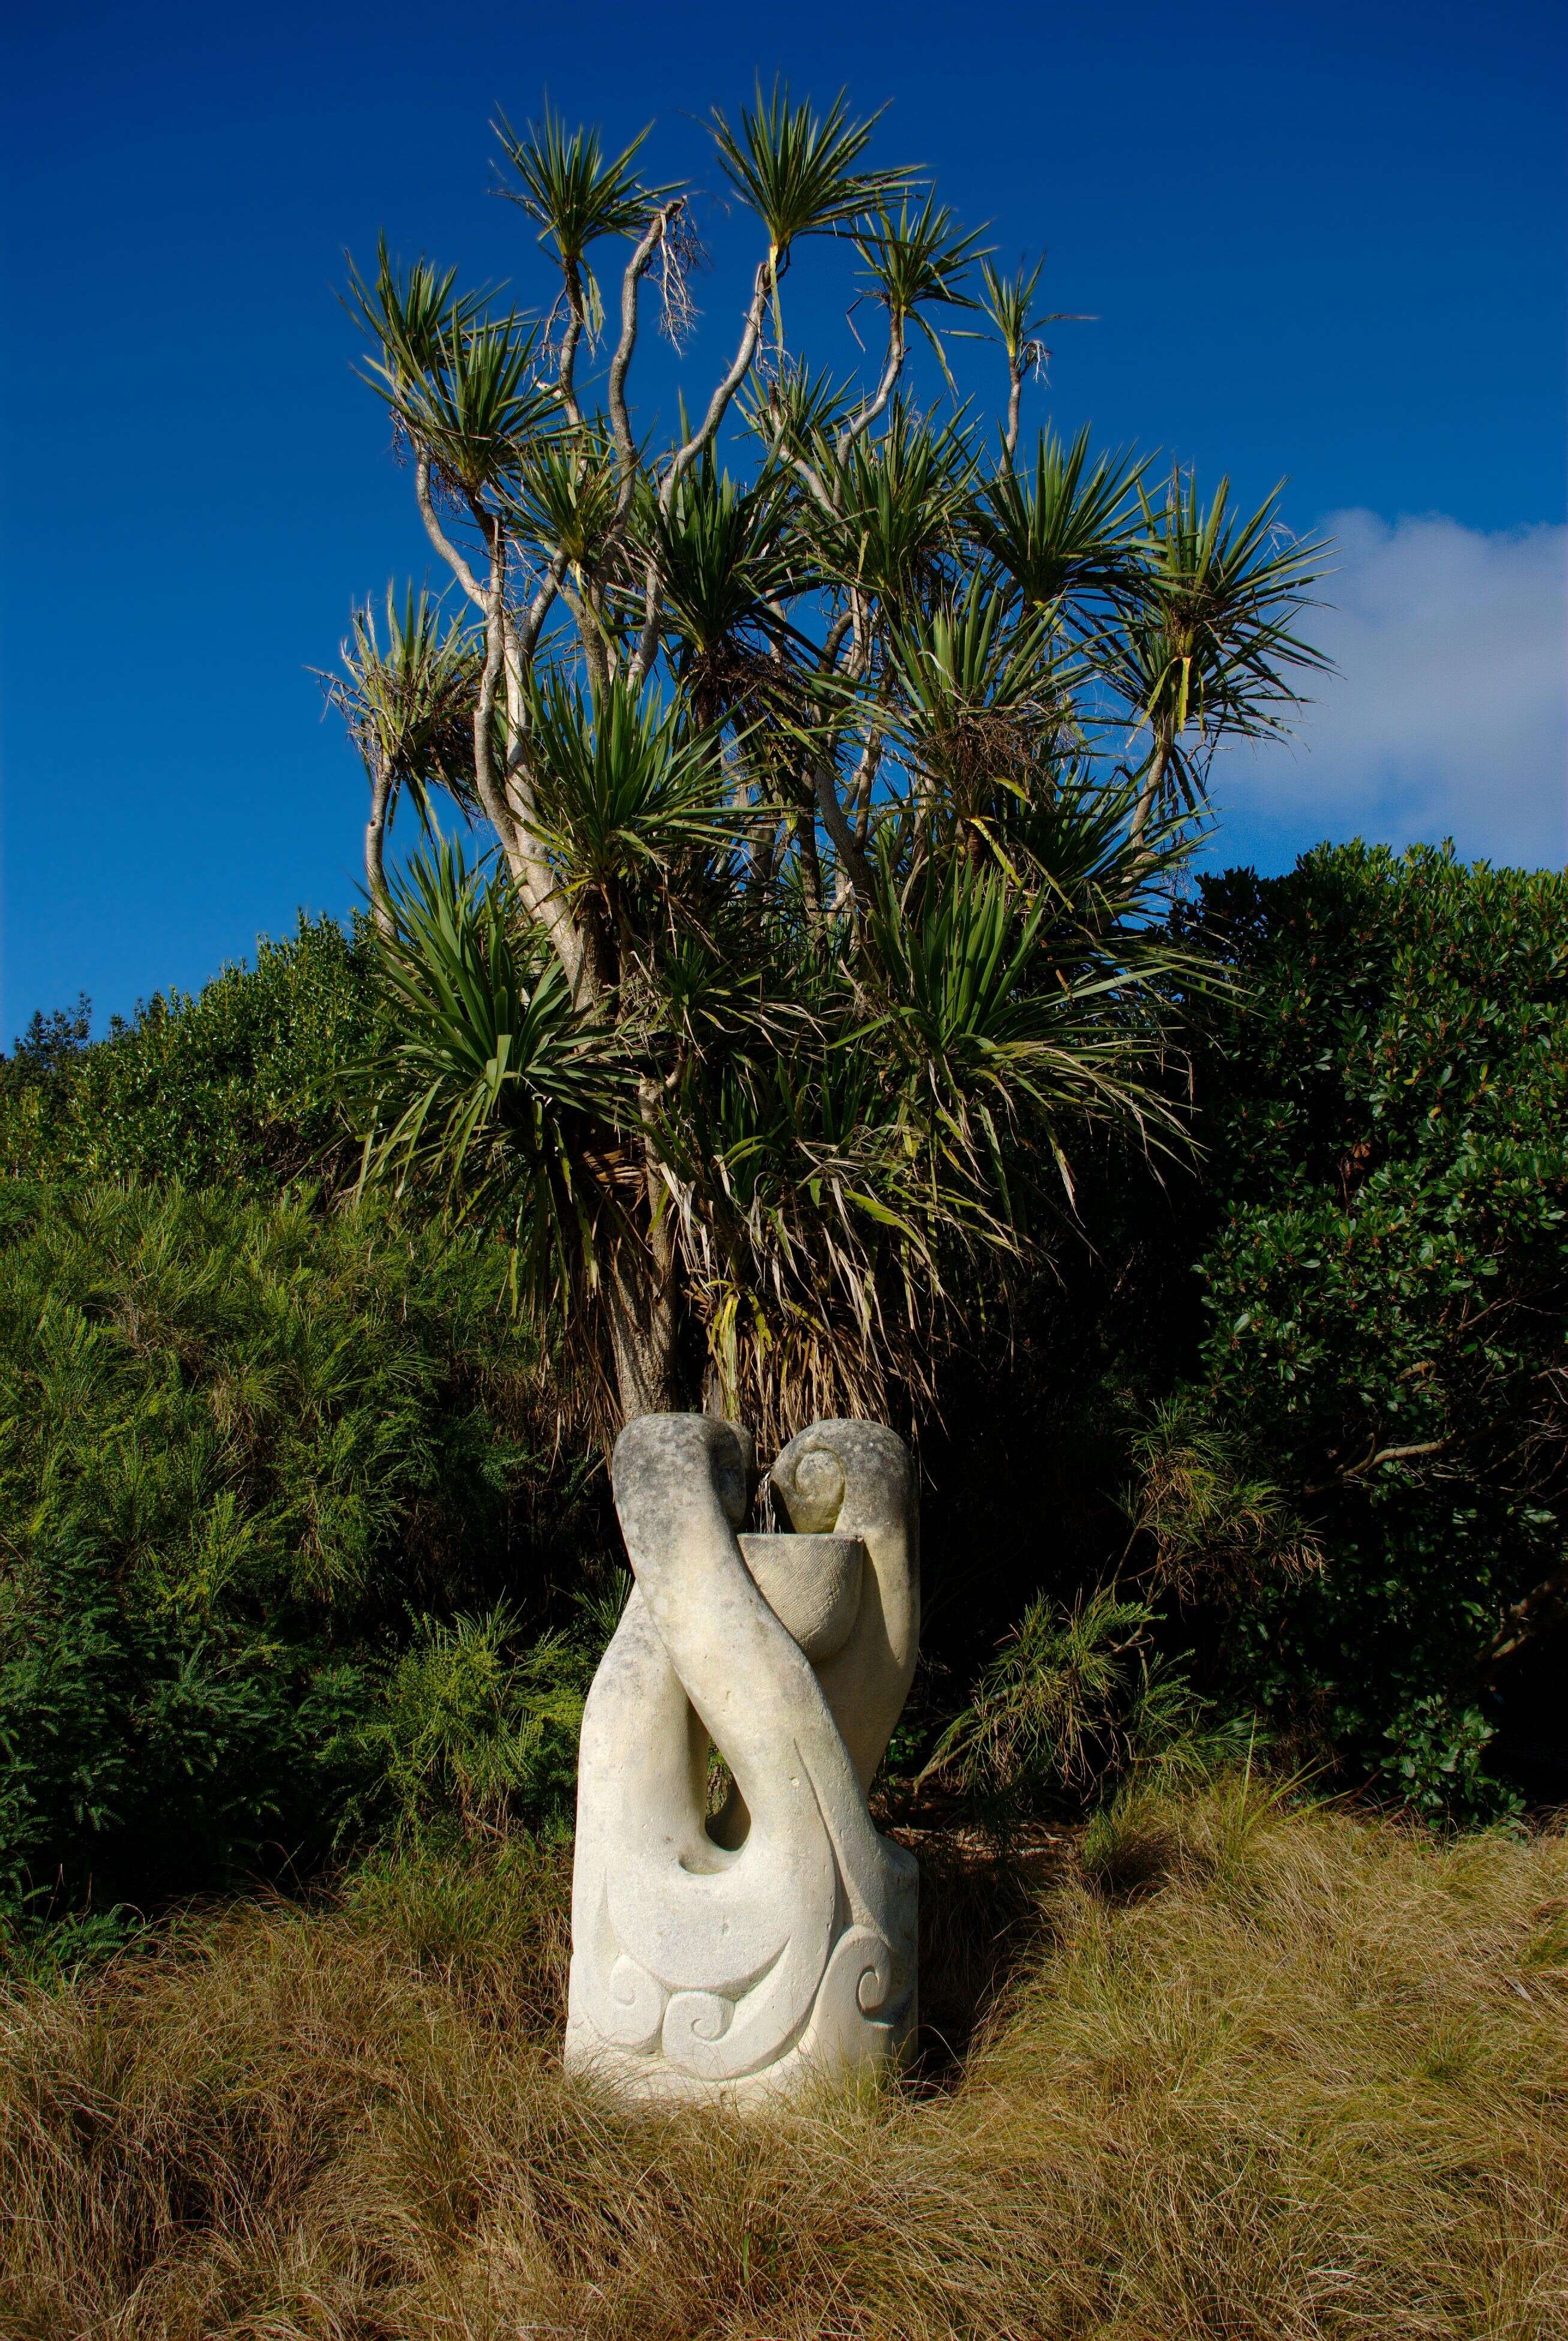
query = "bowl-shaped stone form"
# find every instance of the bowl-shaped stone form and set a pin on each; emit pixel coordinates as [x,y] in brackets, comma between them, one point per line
[812,1585]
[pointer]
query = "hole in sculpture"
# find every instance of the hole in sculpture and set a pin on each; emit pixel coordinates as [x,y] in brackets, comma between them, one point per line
[729,1823]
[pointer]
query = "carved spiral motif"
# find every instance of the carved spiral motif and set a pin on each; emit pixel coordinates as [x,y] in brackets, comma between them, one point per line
[738,1954]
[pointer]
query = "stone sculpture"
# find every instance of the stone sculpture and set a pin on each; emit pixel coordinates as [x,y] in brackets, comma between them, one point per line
[737,1955]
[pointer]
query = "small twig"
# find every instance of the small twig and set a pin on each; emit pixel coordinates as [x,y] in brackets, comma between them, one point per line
[1370,1462]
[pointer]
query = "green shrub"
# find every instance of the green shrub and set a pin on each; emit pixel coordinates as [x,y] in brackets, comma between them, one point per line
[239,1084]
[239,1444]
[1075,1700]
[476,1727]
[1385,1116]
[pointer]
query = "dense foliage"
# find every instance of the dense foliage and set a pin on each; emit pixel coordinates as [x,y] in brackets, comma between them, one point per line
[270,1467]
[241,1085]
[1386,1292]
[289,1549]
[245,1451]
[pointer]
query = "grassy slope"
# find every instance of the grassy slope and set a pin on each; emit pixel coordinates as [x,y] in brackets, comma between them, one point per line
[1257,2072]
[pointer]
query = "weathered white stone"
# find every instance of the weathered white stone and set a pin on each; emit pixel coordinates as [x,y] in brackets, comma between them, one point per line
[737,1957]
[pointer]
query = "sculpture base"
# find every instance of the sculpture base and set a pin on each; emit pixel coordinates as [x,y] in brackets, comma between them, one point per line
[838,2040]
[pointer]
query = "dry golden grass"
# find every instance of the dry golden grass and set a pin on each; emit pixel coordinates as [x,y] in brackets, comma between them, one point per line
[1259,2072]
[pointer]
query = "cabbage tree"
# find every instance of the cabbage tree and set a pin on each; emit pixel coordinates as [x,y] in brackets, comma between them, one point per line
[827,765]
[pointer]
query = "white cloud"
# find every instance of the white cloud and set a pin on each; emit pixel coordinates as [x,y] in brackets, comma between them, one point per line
[1449,714]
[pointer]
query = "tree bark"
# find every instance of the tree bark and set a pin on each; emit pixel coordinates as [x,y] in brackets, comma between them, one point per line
[642,1347]
[1149,795]
[375,850]
[1014,398]
[846,845]
[642,1291]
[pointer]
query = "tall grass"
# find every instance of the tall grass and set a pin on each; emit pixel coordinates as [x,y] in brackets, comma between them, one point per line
[1259,2072]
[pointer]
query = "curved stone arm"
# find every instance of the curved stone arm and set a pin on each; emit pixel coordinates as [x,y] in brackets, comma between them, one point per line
[679,1487]
[856,1478]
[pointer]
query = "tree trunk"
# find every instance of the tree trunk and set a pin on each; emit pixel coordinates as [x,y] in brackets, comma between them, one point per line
[1149,795]
[641,1311]
[811,866]
[1014,396]
[642,1291]
[376,853]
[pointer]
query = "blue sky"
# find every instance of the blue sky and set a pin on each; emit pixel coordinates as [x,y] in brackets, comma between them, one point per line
[1325,242]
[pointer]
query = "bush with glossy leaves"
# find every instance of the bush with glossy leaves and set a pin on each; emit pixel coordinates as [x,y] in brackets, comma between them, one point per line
[1385,1112]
